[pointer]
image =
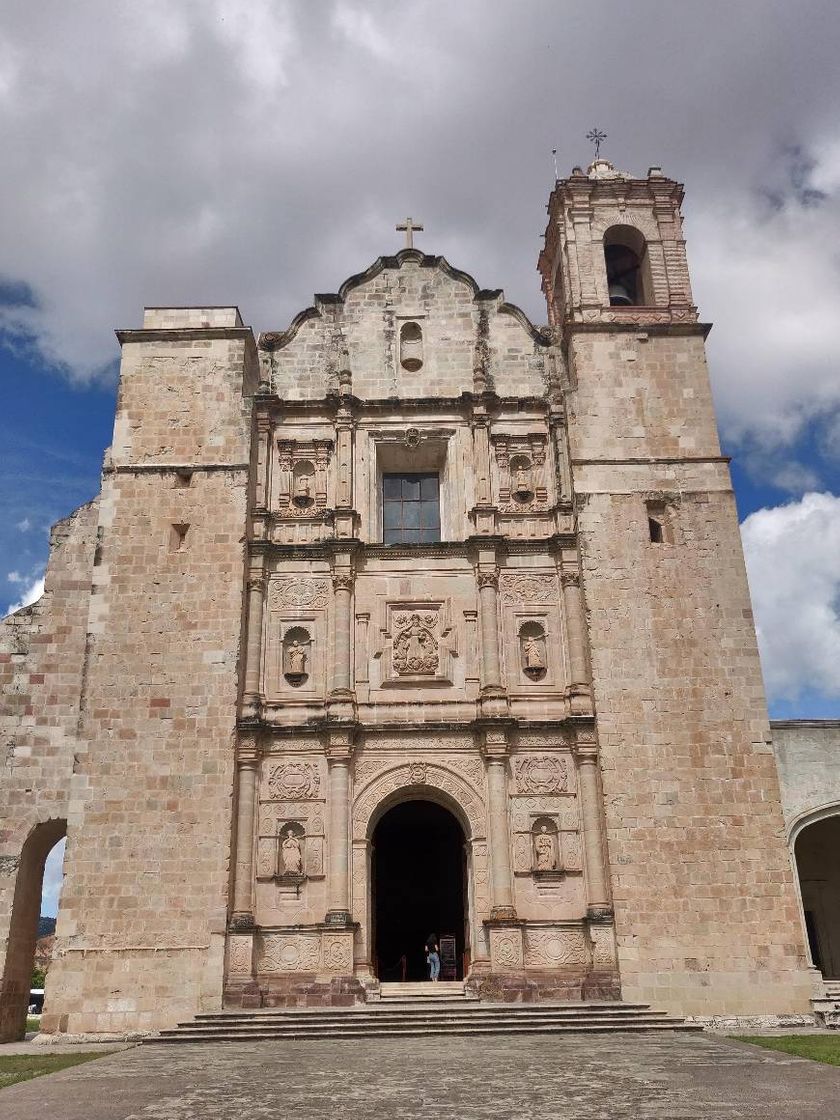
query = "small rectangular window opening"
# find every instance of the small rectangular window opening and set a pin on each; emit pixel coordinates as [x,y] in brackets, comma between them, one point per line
[178,538]
[657,518]
[410,508]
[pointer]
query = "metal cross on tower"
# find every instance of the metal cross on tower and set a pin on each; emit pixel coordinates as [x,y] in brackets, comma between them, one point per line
[410,227]
[596,136]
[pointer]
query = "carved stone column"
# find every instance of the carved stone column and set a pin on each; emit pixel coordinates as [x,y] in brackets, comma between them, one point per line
[251,697]
[493,694]
[484,513]
[501,878]
[262,497]
[580,691]
[592,818]
[338,796]
[340,676]
[247,764]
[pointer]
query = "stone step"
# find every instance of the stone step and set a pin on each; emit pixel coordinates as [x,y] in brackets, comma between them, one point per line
[440,1030]
[370,1022]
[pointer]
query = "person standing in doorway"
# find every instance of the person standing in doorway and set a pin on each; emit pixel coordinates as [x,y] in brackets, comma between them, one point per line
[433,957]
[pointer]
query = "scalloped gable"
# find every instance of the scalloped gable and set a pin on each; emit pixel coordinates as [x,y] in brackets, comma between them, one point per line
[358,328]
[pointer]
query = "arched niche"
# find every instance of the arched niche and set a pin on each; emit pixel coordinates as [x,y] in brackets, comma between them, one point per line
[23,927]
[411,347]
[297,656]
[533,650]
[628,267]
[545,846]
[303,483]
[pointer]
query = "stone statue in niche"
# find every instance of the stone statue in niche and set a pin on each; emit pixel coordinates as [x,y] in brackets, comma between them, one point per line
[303,488]
[296,656]
[290,854]
[523,487]
[415,646]
[532,651]
[295,659]
[545,852]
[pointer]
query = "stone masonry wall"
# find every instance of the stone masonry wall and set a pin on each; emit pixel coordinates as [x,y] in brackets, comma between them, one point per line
[140,936]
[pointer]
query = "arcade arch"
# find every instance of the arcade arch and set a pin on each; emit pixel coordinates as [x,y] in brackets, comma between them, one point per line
[23,927]
[815,842]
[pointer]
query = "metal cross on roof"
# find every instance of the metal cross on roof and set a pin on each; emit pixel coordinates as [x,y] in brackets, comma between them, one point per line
[410,227]
[596,136]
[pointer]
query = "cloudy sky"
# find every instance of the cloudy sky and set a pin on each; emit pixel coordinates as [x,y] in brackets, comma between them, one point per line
[223,151]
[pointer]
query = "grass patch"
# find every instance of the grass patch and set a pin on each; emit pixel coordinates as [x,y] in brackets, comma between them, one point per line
[817,1047]
[23,1067]
[33,1023]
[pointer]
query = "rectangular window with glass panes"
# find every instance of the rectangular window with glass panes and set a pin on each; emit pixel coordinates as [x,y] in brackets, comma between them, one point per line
[410,508]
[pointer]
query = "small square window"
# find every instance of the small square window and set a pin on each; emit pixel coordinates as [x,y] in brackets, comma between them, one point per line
[411,508]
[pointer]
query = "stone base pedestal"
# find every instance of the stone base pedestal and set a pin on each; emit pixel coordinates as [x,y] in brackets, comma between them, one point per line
[295,990]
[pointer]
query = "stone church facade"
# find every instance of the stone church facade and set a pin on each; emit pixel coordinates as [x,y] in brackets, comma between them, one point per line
[411,549]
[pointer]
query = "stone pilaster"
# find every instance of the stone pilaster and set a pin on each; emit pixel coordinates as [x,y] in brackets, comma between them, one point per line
[579,689]
[247,765]
[339,752]
[493,696]
[592,822]
[255,585]
[484,512]
[501,878]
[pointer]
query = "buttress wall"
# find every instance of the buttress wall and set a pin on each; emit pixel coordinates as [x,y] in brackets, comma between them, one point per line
[140,935]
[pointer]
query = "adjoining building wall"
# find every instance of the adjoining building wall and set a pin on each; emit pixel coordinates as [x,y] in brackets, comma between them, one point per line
[42,659]
[808,759]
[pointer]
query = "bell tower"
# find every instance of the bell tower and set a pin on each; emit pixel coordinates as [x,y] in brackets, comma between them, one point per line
[687,767]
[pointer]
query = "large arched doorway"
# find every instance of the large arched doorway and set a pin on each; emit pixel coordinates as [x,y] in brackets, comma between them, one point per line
[418,877]
[817,851]
[23,928]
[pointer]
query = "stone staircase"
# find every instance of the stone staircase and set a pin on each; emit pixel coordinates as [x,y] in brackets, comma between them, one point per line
[411,1010]
[827,1006]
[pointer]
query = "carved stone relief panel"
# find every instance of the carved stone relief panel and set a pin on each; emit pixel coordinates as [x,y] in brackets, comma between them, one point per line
[572,853]
[506,949]
[416,642]
[603,946]
[529,587]
[239,954]
[554,947]
[541,774]
[338,951]
[534,638]
[292,779]
[290,952]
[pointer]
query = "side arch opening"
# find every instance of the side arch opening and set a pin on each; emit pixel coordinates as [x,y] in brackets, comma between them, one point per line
[817,856]
[628,268]
[23,928]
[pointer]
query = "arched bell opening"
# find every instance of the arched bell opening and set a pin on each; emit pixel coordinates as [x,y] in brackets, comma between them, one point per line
[23,928]
[628,268]
[817,856]
[419,889]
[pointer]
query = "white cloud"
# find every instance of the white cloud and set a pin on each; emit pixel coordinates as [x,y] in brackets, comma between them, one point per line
[792,560]
[24,526]
[53,876]
[15,577]
[31,594]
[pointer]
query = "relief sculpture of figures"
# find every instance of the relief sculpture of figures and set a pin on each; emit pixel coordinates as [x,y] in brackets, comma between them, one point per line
[415,647]
[291,854]
[296,658]
[544,850]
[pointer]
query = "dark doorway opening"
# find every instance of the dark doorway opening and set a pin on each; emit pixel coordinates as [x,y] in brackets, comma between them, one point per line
[418,876]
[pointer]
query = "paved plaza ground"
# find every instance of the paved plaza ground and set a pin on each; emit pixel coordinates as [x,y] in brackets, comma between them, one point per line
[545,1077]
